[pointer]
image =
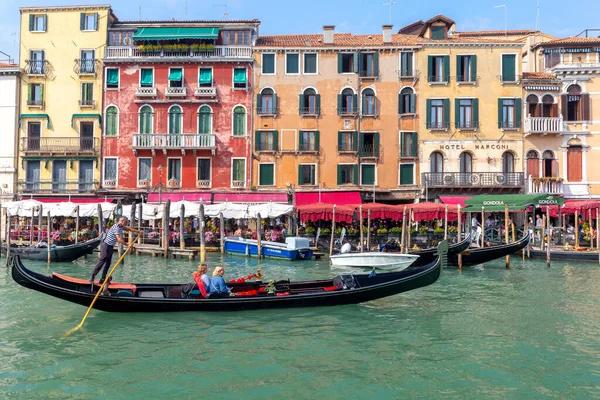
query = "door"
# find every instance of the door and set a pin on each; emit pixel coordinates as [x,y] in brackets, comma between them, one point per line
[466,165]
[86,135]
[33,135]
[32,179]
[87,61]
[574,164]
[59,176]
[86,175]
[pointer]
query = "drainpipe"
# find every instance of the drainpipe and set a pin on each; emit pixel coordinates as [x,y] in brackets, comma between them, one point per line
[250,135]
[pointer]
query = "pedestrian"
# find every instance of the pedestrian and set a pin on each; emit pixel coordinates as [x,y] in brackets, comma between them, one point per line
[113,236]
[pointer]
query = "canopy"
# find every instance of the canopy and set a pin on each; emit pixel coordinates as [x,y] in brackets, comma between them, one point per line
[317,211]
[382,211]
[22,208]
[455,200]
[431,211]
[303,198]
[515,201]
[174,33]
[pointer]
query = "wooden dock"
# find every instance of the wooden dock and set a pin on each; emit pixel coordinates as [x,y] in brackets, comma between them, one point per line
[155,250]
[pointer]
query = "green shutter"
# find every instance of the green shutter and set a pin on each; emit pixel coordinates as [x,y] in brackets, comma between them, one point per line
[340,135]
[259,103]
[301,103]
[275,140]
[376,143]
[356,62]
[317,140]
[300,174]
[31,22]
[376,64]
[42,92]
[355,103]
[205,75]
[459,69]
[446,68]
[339,174]
[274,106]
[414,144]
[518,106]
[500,113]
[456,112]
[300,139]
[147,77]
[174,121]
[95,21]
[29,91]
[407,174]
[292,65]
[508,67]
[45,19]
[446,113]
[428,111]
[363,101]
[82,21]
[413,103]
[257,140]
[474,68]
[318,104]
[400,103]
[339,104]
[361,143]
[355,141]
[361,64]
[355,180]
[340,63]
[475,106]
[430,76]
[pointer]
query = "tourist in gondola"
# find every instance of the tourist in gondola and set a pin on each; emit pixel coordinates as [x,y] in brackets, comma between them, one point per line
[217,283]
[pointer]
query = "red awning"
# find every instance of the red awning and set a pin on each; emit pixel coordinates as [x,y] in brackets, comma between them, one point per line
[317,211]
[251,198]
[382,211]
[582,207]
[455,200]
[154,198]
[431,211]
[339,198]
[76,200]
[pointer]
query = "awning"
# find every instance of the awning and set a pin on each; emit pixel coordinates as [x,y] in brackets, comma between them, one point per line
[251,198]
[381,211]
[317,211]
[76,200]
[454,200]
[88,116]
[491,202]
[338,198]
[431,211]
[173,33]
[201,196]
[35,116]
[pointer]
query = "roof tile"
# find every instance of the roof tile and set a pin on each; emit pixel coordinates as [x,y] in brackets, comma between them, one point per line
[538,75]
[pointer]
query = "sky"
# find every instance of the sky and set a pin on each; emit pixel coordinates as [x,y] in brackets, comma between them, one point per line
[556,17]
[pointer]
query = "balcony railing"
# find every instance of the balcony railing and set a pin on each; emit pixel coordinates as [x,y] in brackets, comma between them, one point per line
[544,125]
[363,73]
[266,147]
[36,67]
[152,141]
[145,92]
[510,125]
[60,145]
[437,126]
[465,79]
[203,184]
[205,91]
[309,111]
[85,66]
[438,79]
[238,184]
[347,148]
[408,73]
[368,151]
[473,179]
[57,186]
[347,111]
[109,183]
[144,183]
[467,126]
[87,103]
[509,79]
[308,147]
[35,103]
[127,52]
[174,183]
[175,92]
[544,185]
[267,110]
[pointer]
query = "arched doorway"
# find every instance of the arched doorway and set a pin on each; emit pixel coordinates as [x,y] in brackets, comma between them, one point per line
[508,162]
[574,161]
[573,103]
[549,164]
[466,162]
[533,164]
[436,162]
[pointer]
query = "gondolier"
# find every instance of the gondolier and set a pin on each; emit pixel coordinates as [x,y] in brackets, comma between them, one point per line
[113,236]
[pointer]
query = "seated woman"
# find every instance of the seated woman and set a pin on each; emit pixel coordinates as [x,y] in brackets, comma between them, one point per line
[202,280]
[217,283]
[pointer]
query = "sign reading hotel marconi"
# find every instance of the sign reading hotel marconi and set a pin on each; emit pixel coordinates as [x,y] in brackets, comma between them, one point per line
[476,146]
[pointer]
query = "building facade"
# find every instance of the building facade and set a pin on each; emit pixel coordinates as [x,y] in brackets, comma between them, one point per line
[178,107]
[9,117]
[60,121]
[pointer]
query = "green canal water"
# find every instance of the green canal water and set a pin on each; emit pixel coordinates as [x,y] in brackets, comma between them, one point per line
[530,332]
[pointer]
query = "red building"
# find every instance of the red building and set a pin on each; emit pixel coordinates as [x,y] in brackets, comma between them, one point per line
[178,107]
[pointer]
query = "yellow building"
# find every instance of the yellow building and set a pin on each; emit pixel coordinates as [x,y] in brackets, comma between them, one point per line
[60,126]
[337,113]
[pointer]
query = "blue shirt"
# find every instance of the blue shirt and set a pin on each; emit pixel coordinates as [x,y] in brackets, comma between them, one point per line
[111,235]
[217,285]
[206,281]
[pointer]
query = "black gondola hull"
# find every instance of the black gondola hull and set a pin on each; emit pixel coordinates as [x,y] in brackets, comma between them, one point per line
[427,256]
[575,256]
[485,254]
[57,254]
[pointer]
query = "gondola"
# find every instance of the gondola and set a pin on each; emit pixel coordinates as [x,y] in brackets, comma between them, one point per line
[343,289]
[482,255]
[57,253]
[562,255]
[427,256]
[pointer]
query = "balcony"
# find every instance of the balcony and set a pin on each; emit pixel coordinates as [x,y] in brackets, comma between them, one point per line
[56,186]
[36,67]
[203,184]
[175,92]
[174,183]
[266,147]
[205,91]
[145,92]
[87,103]
[544,185]
[85,66]
[347,111]
[219,52]
[467,126]
[60,145]
[238,184]
[408,74]
[144,183]
[510,125]
[308,148]
[544,125]
[481,180]
[267,111]
[437,126]
[181,142]
[35,103]
[309,111]
[109,183]
[368,151]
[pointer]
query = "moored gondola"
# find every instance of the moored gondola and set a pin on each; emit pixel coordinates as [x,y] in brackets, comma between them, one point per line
[566,255]
[482,255]
[57,253]
[427,256]
[343,289]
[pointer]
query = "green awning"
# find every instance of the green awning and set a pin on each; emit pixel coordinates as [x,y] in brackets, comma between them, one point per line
[205,75]
[35,116]
[147,77]
[239,75]
[175,74]
[175,33]
[112,76]
[88,116]
[515,202]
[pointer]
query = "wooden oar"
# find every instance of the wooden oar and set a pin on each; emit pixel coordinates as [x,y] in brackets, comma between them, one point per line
[106,280]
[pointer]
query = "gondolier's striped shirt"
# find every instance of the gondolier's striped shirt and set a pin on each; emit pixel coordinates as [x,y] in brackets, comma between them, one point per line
[111,235]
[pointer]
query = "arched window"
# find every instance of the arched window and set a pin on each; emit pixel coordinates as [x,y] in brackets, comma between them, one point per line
[310,102]
[533,163]
[574,103]
[146,123]
[239,121]
[549,164]
[205,120]
[347,102]
[466,162]
[369,102]
[407,101]
[175,120]
[112,121]
[532,105]
[267,102]
[574,161]
[549,109]
[508,162]
[436,162]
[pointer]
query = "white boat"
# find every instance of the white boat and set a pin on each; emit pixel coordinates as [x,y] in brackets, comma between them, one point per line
[374,259]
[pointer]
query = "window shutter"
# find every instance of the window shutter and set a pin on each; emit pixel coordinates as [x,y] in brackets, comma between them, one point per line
[339,174]
[363,103]
[82,21]
[355,141]
[259,103]
[413,103]
[31,22]
[446,113]
[45,19]
[518,112]
[585,106]
[414,144]
[429,68]
[456,112]
[508,67]
[317,140]
[376,64]
[355,174]
[564,106]
[300,174]
[475,106]
[318,104]
[355,62]
[339,140]
[473,68]
[361,63]
[95,21]
[340,63]
[400,103]
[29,91]
[428,111]
[301,103]
[361,143]
[500,113]
[274,110]
[459,69]
[376,142]
[339,104]
[355,103]
[275,140]
[446,68]
[300,139]
[257,140]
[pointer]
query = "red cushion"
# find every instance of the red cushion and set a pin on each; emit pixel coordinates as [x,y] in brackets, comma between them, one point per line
[329,288]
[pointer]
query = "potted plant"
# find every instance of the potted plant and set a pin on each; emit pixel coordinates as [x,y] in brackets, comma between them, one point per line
[325,231]
[210,47]
[396,230]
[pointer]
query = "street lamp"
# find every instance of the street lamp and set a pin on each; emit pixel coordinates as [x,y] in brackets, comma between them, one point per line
[160,184]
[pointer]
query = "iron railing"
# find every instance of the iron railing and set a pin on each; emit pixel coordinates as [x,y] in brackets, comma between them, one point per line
[368,151]
[309,111]
[152,141]
[49,186]
[36,67]
[35,102]
[407,73]
[510,125]
[473,179]
[85,66]
[509,78]
[60,144]
[348,111]
[470,125]
[267,110]
[87,103]
[308,147]
[437,125]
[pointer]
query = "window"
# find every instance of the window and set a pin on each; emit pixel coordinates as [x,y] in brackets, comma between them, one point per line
[551,59]
[575,104]
[347,141]
[241,37]
[111,124]
[87,94]
[438,32]
[369,144]
[438,114]
[59,175]
[406,64]
[308,141]
[408,144]
[407,174]
[239,121]
[204,172]
[204,120]
[174,169]
[147,77]
[238,172]
[369,103]
[347,63]
[87,63]
[407,101]
[310,103]
[34,130]
[508,162]
[32,175]
[110,170]
[509,68]
[145,169]
[549,164]
[205,77]
[86,135]
[368,174]
[239,78]
[112,78]
[175,77]
[146,120]
[533,164]
[548,107]
[368,65]
[347,102]
[574,163]
[266,174]
[532,105]
[466,69]
[37,62]
[509,113]
[466,162]
[310,63]
[120,38]
[467,113]
[347,174]
[86,175]
[268,63]
[88,21]
[292,63]
[266,141]
[266,102]
[439,69]
[436,162]
[35,95]
[175,120]
[37,23]
[307,174]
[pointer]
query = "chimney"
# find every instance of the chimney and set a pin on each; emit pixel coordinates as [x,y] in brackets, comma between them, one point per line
[387,34]
[328,34]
